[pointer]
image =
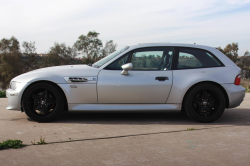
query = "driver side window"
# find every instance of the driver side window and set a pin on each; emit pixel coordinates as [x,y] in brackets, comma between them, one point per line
[153,58]
[118,63]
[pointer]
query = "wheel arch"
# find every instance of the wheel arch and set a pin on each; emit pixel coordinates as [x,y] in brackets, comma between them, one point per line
[211,82]
[48,82]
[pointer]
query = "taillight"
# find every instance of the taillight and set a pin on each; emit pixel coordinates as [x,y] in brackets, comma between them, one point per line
[237,80]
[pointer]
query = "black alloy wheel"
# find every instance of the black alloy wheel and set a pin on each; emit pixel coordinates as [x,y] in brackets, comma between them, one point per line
[205,102]
[43,102]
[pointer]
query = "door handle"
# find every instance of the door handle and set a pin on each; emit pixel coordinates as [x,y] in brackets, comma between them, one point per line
[161,78]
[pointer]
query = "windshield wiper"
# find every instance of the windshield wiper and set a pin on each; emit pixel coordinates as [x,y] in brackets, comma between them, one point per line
[90,64]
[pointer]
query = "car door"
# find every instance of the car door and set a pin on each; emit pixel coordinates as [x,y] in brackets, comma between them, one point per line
[149,81]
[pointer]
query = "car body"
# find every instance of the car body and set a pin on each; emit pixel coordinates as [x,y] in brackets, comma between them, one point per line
[156,76]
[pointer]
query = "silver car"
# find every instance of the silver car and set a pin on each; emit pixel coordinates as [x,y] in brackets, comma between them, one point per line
[199,80]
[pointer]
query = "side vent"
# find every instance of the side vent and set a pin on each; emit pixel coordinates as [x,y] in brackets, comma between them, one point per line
[80,80]
[77,79]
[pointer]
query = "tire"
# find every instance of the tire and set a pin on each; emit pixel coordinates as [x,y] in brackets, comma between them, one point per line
[205,103]
[43,102]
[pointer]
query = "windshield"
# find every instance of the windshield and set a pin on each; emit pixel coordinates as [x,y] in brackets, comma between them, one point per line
[109,57]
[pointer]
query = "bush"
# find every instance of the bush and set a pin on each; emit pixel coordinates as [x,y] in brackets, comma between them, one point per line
[11,144]
[246,84]
[2,94]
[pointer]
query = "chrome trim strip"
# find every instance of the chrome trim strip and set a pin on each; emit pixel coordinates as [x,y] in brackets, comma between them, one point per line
[77,80]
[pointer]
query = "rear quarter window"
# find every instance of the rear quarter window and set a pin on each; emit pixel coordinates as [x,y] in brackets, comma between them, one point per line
[188,58]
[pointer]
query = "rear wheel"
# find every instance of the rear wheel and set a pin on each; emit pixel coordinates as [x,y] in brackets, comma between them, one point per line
[43,102]
[205,102]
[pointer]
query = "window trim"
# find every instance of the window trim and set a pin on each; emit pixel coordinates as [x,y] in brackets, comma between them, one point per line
[144,48]
[176,58]
[129,58]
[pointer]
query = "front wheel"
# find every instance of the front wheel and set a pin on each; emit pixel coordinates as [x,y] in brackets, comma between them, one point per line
[205,103]
[43,102]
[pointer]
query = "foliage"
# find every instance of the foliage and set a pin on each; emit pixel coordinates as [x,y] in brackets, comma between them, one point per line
[245,64]
[31,62]
[89,45]
[247,90]
[109,48]
[9,45]
[188,129]
[33,143]
[42,141]
[2,94]
[14,62]
[231,51]
[86,60]
[60,54]
[11,144]
[10,60]
[246,84]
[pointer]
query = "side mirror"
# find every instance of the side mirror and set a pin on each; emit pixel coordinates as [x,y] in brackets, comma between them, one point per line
[126,67]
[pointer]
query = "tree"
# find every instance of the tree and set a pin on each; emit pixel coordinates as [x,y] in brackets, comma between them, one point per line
[60,54]
[245,64]
[90,45]
[109,48]
[10,61]
[13,62]
[9,45]
[31,61]
[231,51]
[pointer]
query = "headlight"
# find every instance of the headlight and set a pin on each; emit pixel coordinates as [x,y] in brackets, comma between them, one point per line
[14,84]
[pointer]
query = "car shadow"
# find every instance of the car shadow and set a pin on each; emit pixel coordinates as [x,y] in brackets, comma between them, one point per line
[230,117]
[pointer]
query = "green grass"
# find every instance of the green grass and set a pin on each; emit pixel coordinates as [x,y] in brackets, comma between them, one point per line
[191,129]
[42,141]
[2,94]
[11,144]
[246,84]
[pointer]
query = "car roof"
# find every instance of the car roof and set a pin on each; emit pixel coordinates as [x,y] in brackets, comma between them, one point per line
[141,45]
[223,58]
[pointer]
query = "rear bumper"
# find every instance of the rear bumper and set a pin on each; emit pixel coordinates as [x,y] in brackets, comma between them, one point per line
[235,93]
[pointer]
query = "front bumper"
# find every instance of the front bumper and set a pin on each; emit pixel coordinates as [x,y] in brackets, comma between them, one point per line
[236,94]
[15,96]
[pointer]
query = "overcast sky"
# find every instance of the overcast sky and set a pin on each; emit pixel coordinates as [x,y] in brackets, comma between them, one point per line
[127,22]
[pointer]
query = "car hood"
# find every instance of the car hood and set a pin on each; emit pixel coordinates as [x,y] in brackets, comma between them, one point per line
[56,74]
